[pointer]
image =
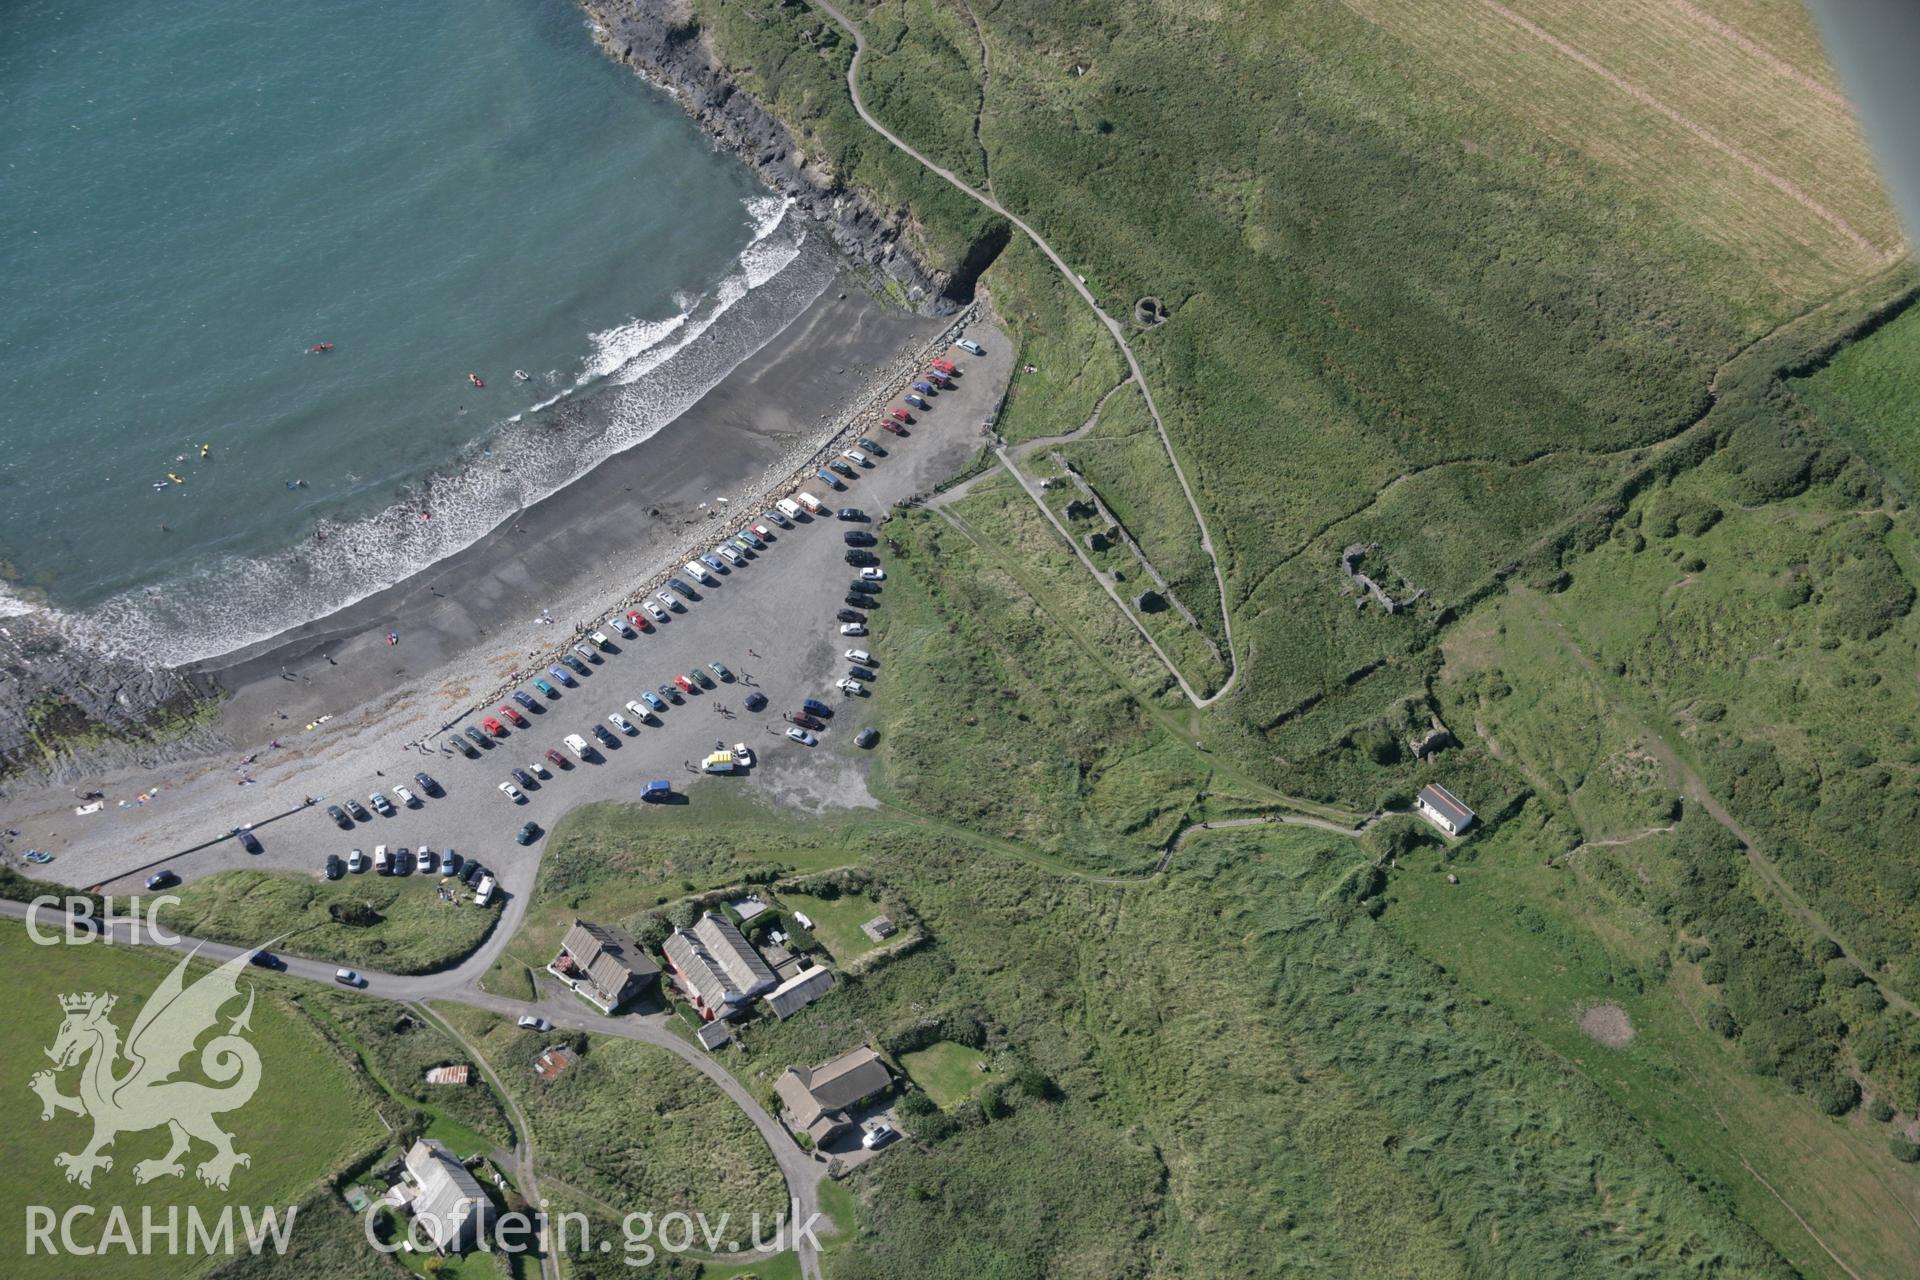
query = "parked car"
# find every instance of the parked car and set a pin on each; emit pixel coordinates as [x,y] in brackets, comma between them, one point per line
[574,664]
[860,556]
[624,627]
[653,700]
[585,652]
[578,745]
[659,614]
[814,506]
[730,554]
[789,509]
[382,860]
[832,481]
[564,677]
[813,706]
[427,784]
[512,793]
[896,427]
[522,777]
[356,861]
[602,641]
[802,736]
[162,879]
[856,457]
[546,688]
[720,671]
[777,517]
[513,714]
[853,688]
[864,587]
[756,701]
[474,736]
[527,834]
[494,727]
[866,737]
[748,540]
[466,748]
[340,818]
[848,615]
[381,805]
[804,720]
[841,468]
[406,798]
[359,813]
[944,366]
[657,791]
[348,978]
[530,1023]
[268,960]
[621,723]
[858,538]
[873,573]
[761,533]
[878,1136]
[712,561]
[871,447]
[852,629]
[428,861]
[861,674]
[641,712]
[865,602]
[639,620]
[671,602]
[968,344]
[248,841]
[449,863]
[671,694]
[702,679]
[860,656]
[607,739]
[851,513]
[915,400]
[922,386]
[742,755]
[554,758]
[683,684]
[473,872]
[538,768]
[403,861]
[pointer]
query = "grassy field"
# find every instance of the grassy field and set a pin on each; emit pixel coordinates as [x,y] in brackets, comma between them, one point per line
[949,1072]
[396,924]
[631,1127]
[1867,394]
[837,921]
[307,1117]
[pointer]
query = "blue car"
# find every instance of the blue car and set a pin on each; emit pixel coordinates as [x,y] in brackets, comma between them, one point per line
[924,388]
[833,481]
[560,674]
[814,707]
[916,401]
[681,587]
[712,562]
[546,688]
[525,700]
[653,700]
[579,667]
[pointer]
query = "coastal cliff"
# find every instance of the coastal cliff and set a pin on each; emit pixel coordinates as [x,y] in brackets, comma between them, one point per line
[664,43]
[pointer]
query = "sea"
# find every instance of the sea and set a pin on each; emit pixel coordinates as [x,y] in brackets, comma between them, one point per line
[193,197]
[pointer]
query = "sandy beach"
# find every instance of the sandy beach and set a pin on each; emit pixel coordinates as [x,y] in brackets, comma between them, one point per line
[346,708]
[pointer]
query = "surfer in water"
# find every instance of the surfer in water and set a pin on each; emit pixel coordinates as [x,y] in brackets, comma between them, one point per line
[474,378]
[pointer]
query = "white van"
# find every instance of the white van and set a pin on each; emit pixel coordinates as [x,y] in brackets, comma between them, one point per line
[382,861]
[811,503]
[483,892]
[700,572]
[577,745]
[860,656]
[727,553]
[788,508]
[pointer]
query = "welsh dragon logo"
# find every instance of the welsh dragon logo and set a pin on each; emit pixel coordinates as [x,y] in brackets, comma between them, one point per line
[130,1089]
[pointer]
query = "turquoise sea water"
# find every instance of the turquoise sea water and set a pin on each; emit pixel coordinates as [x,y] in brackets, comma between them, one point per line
[192,195]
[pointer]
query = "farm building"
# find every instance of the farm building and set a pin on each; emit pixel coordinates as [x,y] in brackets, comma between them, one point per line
[444,1197]
[1439,806]
[817,1099]
[603,965]
[717,967]
[799,991]
[879,928]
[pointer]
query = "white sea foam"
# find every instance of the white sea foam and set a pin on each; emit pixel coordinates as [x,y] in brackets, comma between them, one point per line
[643,375]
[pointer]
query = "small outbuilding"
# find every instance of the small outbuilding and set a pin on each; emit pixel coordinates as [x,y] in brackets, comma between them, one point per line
[1440,807]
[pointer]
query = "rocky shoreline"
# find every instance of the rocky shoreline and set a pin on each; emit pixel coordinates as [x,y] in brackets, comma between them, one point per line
[661,41]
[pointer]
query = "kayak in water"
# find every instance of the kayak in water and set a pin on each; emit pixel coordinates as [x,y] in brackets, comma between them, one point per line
[521,375]
[319,348]
[474,378]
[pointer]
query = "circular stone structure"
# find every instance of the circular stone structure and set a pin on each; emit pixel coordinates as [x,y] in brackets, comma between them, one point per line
[1149,311]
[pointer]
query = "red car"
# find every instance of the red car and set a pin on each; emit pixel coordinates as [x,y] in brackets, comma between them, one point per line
[514,716]
[686,685]
[893,426]
[639,620]
[899,415]
[804,720]
[559,761]
[944,366]
[494,727]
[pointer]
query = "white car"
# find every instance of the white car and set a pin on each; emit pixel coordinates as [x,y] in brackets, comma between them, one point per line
[348,978]
[513,793]
[852,629]
[851,687]
[577,745]
[429,861]
[587,652]
[530,1023]
[872,574]
[382,861]
[641,712]
[654,611]
[621,723]
[600,638]
[405,797]
[878,1136]
[801,736]
[539,769]
[671,600]
[860,656]
[856,457]
[732,556]
[356,861]
[624,627]
[968,344]
[742,756]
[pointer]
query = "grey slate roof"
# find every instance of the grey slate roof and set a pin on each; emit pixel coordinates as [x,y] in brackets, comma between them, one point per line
[799,991]
[1443,801]
[743,965]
